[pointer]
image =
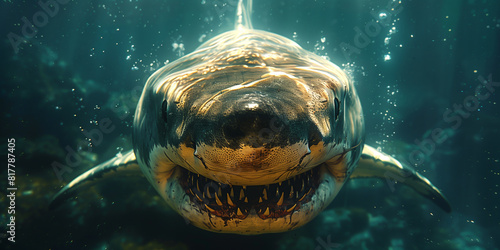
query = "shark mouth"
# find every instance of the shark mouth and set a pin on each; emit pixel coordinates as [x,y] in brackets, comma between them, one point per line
[267,201]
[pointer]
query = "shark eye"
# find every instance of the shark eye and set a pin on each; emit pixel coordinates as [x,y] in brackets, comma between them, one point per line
[337,108]
[164,111]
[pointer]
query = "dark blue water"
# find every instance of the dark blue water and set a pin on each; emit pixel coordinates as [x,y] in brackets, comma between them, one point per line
[416,68]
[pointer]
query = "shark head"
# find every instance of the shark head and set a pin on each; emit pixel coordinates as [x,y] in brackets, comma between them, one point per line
[238,131]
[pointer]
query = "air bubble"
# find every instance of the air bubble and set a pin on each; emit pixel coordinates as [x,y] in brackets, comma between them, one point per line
[387,40]
[202,37]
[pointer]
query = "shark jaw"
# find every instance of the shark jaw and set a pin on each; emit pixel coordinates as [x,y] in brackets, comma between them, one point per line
[227,208]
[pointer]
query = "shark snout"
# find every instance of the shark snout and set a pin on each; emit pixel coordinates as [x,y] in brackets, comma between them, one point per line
[251,124]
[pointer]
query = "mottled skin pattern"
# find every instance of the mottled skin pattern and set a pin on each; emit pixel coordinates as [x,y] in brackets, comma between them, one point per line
[248,108]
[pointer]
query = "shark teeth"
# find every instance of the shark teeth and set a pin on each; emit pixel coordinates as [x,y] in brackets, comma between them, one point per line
[239,213]
[218,200]
[266,213]
[229,201]
[208,194]
[268,201]
[209,208]
[280,201]
[242,194]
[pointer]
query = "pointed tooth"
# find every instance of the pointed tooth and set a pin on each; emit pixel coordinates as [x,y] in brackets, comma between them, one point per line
[232,192]
[291,192]
[279,184]
[302,197]
[266,213]
[198,197]
[220,192]
[238,212]
[246,200]
[208,193]
[242,194]
[291,209]
[302,189]
[296,195]
[198,186]
[280,201]
[277,191]
[229,201]
[264,194]
[217,200]
[245,187]
[209,208]
[260,199]
[305,195]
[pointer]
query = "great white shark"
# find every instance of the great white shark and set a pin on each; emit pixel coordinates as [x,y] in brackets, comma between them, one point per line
[251,134]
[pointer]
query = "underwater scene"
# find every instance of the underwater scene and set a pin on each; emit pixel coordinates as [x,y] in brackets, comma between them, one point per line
[227,124]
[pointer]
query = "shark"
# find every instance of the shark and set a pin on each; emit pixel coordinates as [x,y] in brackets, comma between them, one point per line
[251,134]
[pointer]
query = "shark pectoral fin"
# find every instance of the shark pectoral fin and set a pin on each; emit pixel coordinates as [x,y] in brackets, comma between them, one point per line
[124,164]
[379,165]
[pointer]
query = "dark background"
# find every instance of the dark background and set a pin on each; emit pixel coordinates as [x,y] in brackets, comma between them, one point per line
[92,58]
